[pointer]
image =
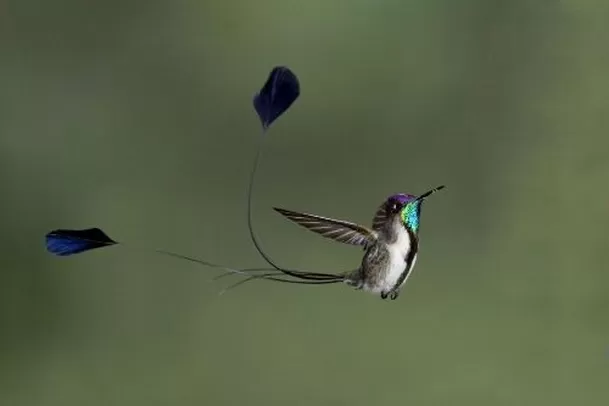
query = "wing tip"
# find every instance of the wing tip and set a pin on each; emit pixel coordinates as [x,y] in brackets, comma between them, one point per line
[285,212]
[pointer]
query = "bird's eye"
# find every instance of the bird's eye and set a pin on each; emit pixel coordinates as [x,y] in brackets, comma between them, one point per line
[393,206]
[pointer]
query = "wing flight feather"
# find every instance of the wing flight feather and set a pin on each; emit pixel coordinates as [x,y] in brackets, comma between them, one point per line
[337,230]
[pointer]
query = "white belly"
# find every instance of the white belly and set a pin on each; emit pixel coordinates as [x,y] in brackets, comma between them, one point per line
[397,264]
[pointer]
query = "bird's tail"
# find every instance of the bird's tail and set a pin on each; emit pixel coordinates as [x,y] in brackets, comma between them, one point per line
[354,278]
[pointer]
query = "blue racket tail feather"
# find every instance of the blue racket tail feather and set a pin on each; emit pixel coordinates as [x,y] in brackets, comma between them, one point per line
[280,90]
[63,242]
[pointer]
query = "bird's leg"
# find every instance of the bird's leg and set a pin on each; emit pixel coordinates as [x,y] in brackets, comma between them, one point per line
[384,295]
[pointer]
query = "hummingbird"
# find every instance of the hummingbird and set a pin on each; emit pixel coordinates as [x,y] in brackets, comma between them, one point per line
[391,245]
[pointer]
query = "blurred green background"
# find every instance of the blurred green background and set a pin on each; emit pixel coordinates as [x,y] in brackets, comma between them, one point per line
[136,116]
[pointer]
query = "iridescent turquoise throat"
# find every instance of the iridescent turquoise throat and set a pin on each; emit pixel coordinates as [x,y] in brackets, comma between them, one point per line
[410,215]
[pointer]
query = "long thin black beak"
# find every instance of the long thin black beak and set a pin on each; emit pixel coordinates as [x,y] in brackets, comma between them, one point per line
[431,192]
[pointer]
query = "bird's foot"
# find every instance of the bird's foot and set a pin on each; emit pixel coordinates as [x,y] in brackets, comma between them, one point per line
[392,294]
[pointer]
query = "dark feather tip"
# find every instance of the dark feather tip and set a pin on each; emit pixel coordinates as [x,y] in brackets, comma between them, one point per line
[69,242]
[277,95]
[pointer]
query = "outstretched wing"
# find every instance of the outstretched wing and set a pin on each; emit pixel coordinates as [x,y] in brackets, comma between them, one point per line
[337,230]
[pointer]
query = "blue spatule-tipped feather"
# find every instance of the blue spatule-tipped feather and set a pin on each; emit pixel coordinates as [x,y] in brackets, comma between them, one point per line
[280,90]
[64,242]
[68,242]
[277,95]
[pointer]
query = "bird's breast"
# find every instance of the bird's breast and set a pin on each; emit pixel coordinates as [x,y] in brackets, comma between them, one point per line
[398,254]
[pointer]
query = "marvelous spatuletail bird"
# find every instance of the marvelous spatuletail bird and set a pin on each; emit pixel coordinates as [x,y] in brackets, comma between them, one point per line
[391,245]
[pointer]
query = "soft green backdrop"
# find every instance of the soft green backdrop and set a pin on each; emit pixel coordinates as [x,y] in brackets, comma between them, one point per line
[135,116]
